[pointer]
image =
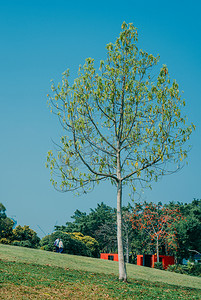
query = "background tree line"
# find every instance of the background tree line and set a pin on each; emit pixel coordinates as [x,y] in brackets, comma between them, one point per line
[90,233]
[19,236]
[100,223]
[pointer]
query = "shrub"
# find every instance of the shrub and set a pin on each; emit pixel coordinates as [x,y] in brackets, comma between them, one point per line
[177,269]
[158,265]
[4,241]
[16,243]
[90,242]
[26,236]
[71,245]
[193,269]
[26,244]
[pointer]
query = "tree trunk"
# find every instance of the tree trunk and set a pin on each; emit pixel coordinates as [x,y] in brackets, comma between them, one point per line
[157,250]
[122,266]
[127,247]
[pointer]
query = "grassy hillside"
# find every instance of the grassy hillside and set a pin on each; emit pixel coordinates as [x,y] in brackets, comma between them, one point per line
[19,254]
[37,274]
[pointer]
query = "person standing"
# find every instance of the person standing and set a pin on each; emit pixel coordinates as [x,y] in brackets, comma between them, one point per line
[56,244]
[61,246]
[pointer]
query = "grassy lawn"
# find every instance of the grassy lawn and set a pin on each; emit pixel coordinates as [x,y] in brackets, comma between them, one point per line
[36,274]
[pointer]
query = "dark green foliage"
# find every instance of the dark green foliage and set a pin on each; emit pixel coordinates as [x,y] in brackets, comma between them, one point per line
[2,211]
[158,265]
[20,236]
[189,229]
[26,244]
[100,223]
[93,224]
[177,269]
[16,243]
[193,269]
[6,226]
[71,246]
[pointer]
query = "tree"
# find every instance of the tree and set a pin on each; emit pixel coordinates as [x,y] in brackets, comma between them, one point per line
[74,243]
[90,242]
[6,226]
[127,230]
[90,224]
[25,236]
[158,222]
[121,124]
[189,229]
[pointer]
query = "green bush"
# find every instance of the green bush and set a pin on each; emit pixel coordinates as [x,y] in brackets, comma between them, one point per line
[90,242]
[4,241]
[71,245]
[26,236]
[16,243]
[26,244]
[181,269]
[193,269]
[158,265]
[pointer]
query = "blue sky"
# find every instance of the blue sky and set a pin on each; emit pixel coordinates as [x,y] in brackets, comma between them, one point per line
[40,40]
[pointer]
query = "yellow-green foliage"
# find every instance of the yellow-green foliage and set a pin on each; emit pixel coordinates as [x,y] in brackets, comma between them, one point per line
[90,242]
[26,236]
[4,241]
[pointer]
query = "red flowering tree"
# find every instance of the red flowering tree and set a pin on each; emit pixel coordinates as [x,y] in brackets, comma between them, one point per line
[158,222]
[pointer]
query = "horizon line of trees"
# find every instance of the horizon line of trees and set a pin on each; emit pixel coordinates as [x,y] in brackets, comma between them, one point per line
[18,236]
[148,228]
[178,228]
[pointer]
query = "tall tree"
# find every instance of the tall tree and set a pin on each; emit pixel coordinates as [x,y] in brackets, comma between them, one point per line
[121,123]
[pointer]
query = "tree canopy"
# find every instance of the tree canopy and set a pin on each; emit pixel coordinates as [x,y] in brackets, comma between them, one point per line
[158,222]
[92,224]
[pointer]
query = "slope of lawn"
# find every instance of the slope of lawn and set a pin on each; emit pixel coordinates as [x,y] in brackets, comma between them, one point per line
[36,274]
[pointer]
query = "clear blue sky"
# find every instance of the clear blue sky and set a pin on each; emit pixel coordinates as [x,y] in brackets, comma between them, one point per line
[40,40]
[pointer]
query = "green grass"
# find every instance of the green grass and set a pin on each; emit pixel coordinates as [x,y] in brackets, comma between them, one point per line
[36,274]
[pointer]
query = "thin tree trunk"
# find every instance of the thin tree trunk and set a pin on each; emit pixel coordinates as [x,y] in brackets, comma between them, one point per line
[122,266]
[157,250]
[127,247]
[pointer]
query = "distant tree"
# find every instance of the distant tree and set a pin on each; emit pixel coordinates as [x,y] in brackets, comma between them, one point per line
[2,211]
[25,236]
[107,236]
[6,226]
[158,222]
[122,123]
[90,242]
[89,224]
[74,243]
[189,229]
[128,235]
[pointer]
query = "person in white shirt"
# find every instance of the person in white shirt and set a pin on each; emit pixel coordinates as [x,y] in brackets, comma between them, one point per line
[61,246]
